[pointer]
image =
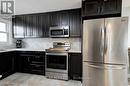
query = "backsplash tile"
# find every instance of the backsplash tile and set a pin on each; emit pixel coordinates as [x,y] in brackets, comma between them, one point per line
[45,43]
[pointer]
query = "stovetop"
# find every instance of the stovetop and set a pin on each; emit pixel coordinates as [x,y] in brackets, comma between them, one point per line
[59,47]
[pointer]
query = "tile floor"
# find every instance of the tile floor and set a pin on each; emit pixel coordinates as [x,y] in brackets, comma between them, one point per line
[21,79]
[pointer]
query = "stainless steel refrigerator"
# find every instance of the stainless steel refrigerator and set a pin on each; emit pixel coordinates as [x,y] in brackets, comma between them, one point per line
[105,52]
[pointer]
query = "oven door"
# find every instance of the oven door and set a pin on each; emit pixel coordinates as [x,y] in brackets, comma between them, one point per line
[57,61]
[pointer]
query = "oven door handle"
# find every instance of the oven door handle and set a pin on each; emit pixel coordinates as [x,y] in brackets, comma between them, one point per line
[58,54]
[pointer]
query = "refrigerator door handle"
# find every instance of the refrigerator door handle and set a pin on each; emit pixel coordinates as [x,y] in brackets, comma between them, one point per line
[102,43]
[105,41]
[108,67]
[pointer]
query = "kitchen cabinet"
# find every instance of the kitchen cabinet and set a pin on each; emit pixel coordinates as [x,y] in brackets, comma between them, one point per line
[91,8]
[6,64]
[71,18]
[32,62]
[18,28]
[59,18]
[37,25]
[101,8]
[75,23]
[44,24]
[112,7]
[75,66]
[31,26]
[17,61]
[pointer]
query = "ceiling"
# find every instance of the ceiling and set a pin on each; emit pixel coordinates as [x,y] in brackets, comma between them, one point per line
[39,6]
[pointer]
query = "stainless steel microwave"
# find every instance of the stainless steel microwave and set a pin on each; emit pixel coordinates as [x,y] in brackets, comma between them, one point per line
[59,31]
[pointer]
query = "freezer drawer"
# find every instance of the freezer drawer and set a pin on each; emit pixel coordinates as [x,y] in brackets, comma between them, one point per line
[104,75]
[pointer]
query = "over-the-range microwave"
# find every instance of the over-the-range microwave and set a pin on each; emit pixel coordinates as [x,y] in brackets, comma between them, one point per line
[59,31]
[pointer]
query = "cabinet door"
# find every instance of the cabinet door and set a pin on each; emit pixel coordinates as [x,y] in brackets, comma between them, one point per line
[6,64]
[91,8]
[8,59]
[63,18]
[29,26]
[32,62]
[75,66]
[25,63]
[17,62]
[111,7]
[44,24]
[75,22]
[1,66]
[54,19]
[60,18]
[18,27]
[35,26]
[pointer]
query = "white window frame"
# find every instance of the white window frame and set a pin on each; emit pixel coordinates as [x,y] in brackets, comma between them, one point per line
[8,27]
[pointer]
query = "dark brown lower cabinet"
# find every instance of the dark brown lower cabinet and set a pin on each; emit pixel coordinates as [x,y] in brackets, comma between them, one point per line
[75,66]
[6,64]
[32,62]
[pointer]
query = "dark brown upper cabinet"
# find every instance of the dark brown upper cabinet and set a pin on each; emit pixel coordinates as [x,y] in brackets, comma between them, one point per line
[37,25]
[32,26]
[112,7]
[91,8]
[29,26]
[101,8]
[75,23]
[59,18]
[44,24]
[63,18]
[18,28]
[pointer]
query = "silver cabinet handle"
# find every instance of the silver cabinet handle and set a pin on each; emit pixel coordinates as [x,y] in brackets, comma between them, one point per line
[107,67]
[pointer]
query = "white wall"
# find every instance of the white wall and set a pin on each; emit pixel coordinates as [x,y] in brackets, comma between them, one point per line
[126,12]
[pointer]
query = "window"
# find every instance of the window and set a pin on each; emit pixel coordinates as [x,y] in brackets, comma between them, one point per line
[3,32]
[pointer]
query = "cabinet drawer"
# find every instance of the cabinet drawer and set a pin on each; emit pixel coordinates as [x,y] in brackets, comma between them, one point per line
[37,67]
[37,63]
[37,59]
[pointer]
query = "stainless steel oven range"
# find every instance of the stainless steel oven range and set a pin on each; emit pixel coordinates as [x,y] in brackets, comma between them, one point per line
[57,61]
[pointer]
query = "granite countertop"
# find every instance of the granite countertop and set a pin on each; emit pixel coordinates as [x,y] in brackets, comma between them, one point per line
[24,49]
